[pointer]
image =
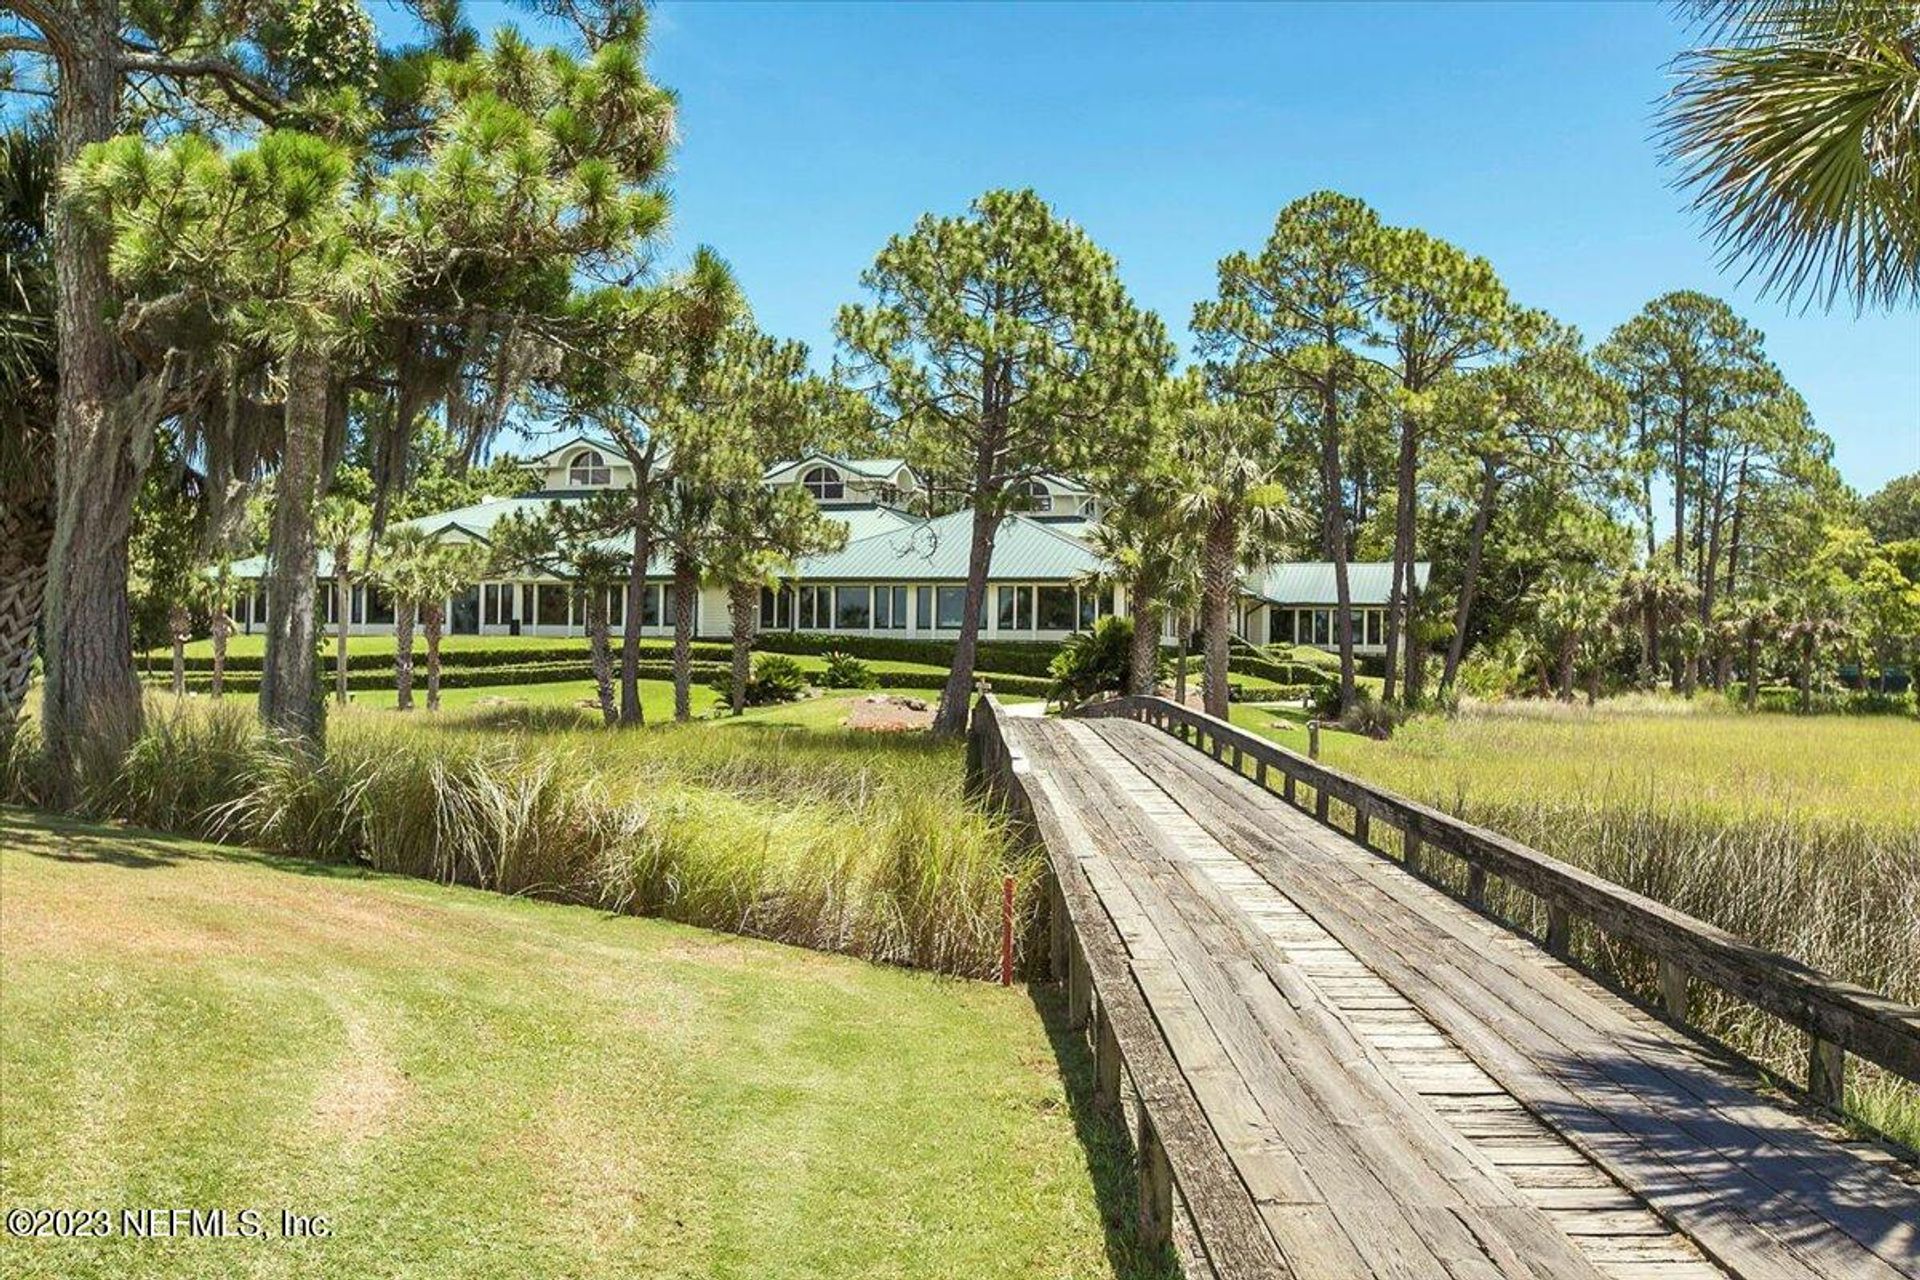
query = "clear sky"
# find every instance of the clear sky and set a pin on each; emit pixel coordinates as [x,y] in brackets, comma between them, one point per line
[1174,134]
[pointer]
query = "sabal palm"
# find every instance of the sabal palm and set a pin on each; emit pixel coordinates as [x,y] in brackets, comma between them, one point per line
[341,522]
[1229,496]
[1799,131]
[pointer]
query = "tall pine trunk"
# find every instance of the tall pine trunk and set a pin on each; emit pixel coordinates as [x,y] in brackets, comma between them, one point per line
[403,612]
[951,719]
[290,696]
[686,589]
[1217,578]
[222,628]
[743,616]
[1400,597]
[433,616]
[1334,535]
[631,712]
[1470,572]
[600,649]
[343,609]
[179,622]
[100,451]
[1144,646]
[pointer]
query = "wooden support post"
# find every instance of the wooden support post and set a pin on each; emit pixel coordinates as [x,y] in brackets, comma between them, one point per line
[1361,825]
[1559,930]
[1673,990]
[1410,850]
[1156,1189]
[1320,800]
[1079,988]
[1477,886]
[1239,760]
[1827,1073]
[1060,930]
[1106,1064]
[1260,772]
[1289,788]
[1313,739]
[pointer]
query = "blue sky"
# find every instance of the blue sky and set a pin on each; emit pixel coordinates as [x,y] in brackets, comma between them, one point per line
[1175,134]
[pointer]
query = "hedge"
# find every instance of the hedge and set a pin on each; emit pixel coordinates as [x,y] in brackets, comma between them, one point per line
[993,657]
[161,662]
[456,677]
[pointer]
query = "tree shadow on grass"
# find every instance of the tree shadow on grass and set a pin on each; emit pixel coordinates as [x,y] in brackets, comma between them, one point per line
[58,838]
[1105,1143]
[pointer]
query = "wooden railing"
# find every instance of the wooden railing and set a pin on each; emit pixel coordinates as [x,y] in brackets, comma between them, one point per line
[1839,1018]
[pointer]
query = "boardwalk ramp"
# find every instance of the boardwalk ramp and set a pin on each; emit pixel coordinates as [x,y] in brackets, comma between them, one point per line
[1338,1068]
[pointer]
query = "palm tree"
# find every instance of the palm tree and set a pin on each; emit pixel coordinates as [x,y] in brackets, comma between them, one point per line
[1230,496]
[1795,128]
[1654,600]
[400,570]
[27,381]
[1139,539]
[762,532]
[443,569]
[342,521]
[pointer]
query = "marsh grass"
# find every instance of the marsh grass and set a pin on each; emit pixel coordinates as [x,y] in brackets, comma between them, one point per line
[823,838]
[1799,833]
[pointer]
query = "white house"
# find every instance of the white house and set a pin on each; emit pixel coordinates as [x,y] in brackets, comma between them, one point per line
[901,573]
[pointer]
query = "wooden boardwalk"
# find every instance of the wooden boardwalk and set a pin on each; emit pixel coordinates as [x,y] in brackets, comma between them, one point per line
[1339,1069]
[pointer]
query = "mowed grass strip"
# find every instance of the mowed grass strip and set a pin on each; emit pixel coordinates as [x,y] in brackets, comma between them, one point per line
[472,1085]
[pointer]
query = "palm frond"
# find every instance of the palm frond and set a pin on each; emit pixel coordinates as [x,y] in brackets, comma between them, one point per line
[1800,139]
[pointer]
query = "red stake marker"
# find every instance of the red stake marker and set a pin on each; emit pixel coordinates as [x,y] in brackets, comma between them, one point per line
[1006,931]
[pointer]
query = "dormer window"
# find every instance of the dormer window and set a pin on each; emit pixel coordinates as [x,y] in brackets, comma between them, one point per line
[825,484]
[589,470]
[1033,496]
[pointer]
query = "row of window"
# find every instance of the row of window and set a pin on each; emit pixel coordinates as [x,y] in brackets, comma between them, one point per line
[1317,626]
[814,607]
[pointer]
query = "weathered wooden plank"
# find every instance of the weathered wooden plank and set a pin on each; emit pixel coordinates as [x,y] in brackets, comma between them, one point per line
[1422,957]
[1863,1022]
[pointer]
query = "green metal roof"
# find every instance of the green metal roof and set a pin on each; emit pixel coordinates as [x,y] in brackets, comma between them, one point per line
[1311,582]
[936,551]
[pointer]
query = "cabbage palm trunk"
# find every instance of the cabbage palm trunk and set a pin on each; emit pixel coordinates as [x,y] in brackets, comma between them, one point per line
[1144,647]
[290,692]
[743,615]
[686,587]
[433,617]
[403,616]
[1219,578]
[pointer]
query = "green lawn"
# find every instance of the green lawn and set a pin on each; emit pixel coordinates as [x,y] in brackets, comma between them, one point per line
[473,1085]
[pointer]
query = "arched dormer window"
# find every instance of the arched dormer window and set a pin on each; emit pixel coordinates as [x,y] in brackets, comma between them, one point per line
[588,470]
[825,484]
[1033,496]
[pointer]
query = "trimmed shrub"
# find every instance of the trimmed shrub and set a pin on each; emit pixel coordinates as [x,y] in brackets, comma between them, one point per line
[1094,662]
[844,671]
[503,655]
[775,678]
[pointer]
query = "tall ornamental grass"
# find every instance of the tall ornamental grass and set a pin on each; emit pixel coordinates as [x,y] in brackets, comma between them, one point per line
[836,841]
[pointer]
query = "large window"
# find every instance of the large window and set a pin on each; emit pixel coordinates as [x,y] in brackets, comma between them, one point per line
[852,608]
[1016,608]
[1054,609]
[589,470]
[1033,496]
[952,607]
[496,604]
[890,608]
[379,606]
[825,484]
[550,599]
[813,608]
[776,608]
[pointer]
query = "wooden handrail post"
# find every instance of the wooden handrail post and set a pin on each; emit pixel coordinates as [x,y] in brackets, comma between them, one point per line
[1156,1188]
[1410,852]
[1362,826]
[1559,930]
[1079,988]
[1477,886]
[1827,1073]
[1313,739]
[1106,1063]
[1673,990]
[1320,799]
